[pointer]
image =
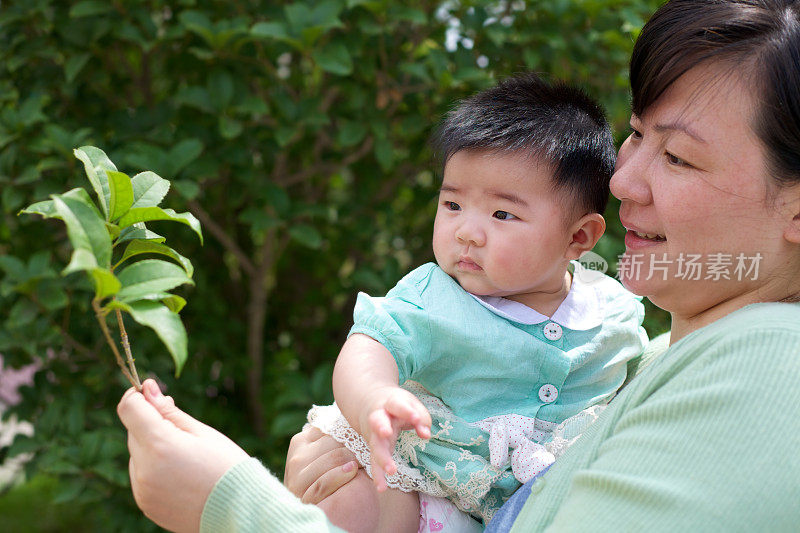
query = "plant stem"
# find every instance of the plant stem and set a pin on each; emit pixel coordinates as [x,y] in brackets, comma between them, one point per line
[101,318]
[127,347]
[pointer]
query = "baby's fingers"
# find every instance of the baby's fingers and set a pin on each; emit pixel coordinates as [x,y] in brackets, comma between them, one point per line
[410,412]
[380,424]
[382,462]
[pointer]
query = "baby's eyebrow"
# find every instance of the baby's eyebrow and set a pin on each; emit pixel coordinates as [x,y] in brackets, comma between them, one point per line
[447,188]
[513,198]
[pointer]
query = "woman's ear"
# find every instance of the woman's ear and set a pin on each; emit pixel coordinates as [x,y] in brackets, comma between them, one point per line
[585,234]
[792,230]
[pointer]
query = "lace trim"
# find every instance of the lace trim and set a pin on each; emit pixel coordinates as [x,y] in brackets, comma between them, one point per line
[472,495]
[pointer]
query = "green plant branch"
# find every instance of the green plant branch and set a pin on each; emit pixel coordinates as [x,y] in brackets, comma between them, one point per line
[101,318]
[126,345]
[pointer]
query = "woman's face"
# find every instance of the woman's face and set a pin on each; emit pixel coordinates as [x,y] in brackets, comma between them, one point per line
[697,202]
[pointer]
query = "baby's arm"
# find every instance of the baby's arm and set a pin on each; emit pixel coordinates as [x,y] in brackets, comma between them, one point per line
[366,390]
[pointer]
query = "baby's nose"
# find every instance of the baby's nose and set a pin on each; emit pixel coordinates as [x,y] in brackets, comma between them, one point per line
[471,233]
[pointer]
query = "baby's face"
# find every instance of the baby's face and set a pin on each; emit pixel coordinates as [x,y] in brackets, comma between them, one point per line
[500,229]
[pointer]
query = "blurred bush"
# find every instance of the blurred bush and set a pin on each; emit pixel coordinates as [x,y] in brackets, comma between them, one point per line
[296,132]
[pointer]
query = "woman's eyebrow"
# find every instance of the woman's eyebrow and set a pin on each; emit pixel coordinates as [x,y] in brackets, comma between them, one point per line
[679,127]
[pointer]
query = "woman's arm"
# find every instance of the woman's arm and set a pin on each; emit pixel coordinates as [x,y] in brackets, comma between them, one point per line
[705,439]
[186,476]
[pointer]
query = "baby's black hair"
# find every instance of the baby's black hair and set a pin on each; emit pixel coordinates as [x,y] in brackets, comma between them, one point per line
[556,123]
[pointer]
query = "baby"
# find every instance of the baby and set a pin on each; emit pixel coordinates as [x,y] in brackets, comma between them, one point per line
[502,341]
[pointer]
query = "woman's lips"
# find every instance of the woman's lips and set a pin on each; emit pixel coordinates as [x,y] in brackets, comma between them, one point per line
[638,240]
[468,265]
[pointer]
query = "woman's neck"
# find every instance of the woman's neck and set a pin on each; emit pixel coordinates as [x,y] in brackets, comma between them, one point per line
[684,324]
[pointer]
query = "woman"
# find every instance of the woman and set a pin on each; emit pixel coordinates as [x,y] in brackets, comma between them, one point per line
[705,437]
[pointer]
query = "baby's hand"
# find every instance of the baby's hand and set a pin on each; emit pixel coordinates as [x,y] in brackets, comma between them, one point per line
[392,410]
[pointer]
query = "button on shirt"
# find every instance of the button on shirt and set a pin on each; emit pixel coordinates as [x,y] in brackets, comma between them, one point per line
[548,393]
[552,331]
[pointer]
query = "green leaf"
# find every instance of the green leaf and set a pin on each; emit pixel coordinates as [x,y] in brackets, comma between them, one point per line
[139,231]
[146,214]
[13,267]
[113,230]
[275,30]
[186,188]
[306,235]
[220,89]
[105,283]
[87,234]
[149,276]
[47,208]
[351,132]
[139,246]
[148,189]
[229,128]
[121,198]
[334,58]
[173,302]
[184,153]
[51,296]
[96,163]
[90,8]
[166,324]
[74,65]
[21,314]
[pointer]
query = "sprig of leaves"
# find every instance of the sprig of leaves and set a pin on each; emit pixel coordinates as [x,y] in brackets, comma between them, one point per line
[135,283]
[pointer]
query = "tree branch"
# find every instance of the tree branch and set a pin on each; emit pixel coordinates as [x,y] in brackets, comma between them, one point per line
[219,233]
[329,168]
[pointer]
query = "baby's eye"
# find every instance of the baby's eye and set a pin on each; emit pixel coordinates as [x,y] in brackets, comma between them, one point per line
[503,215]
[452,206]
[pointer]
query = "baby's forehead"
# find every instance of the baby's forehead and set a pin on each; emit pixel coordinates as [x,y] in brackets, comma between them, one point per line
[525,157]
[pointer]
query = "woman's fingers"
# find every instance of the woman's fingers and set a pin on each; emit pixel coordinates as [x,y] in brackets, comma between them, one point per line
[331,461]
[311,455]
[330,481]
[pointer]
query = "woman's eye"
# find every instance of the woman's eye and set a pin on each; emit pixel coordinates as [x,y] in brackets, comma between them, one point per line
[676,161]
[452,206]
[503,215]
[635,134]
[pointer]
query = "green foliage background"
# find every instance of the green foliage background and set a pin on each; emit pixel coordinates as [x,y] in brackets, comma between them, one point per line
[296,132]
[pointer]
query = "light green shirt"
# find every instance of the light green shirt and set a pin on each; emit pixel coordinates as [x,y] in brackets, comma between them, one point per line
[484,362]
[706,438]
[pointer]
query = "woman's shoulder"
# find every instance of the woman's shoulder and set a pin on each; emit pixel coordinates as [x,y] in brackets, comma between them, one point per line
[759,339]
[771,314]
[754,321]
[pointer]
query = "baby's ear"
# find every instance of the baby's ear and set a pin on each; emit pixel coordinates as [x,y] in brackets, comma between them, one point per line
[586,231]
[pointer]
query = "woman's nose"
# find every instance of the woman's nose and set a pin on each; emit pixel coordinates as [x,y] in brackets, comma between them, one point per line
[470,232]
[631,179]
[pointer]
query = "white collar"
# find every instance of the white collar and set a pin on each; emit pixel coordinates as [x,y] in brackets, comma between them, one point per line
[581,310]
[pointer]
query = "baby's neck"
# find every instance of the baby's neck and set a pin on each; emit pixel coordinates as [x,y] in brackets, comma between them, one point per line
[545,302]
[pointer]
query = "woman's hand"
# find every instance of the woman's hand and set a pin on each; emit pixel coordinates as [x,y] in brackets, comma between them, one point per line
[317,466]
[175,459]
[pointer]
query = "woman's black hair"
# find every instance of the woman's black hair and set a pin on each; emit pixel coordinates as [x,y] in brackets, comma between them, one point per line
[555,123]
[760,36]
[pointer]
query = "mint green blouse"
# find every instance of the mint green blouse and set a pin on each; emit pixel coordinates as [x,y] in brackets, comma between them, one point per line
[484,362]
